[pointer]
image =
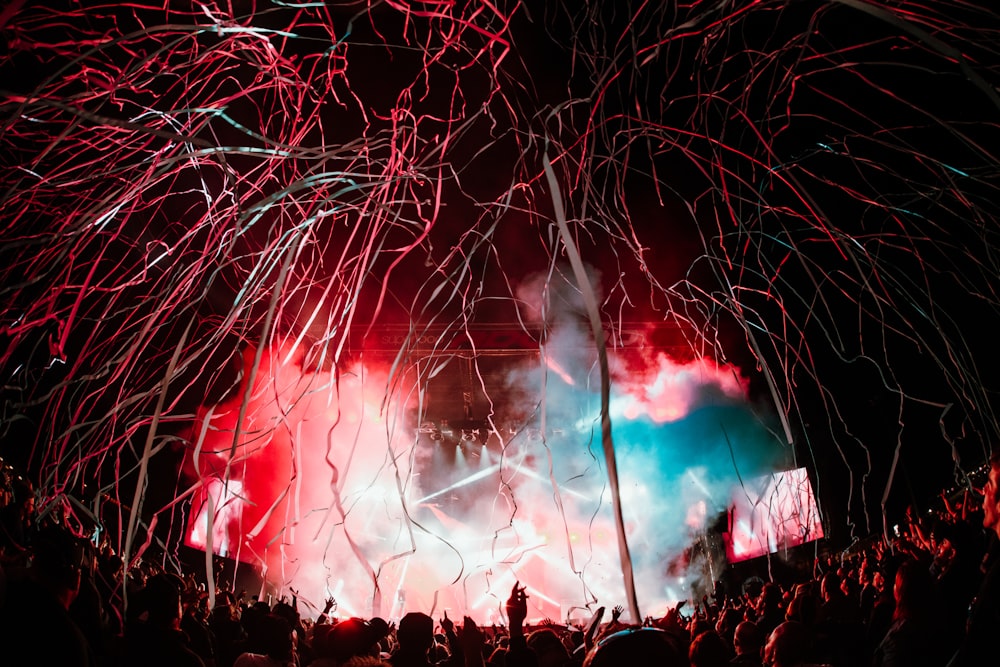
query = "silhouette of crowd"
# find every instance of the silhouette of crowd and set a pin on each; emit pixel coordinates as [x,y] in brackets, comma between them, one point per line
[927,597]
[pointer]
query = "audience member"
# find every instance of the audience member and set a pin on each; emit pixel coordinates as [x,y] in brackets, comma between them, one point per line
[789,645]
[979,646]
[352,637]
[911,639]
[277,646]
[415,637]
[748,644]
[35,625]
[154,637]
[637,647]
[709,649]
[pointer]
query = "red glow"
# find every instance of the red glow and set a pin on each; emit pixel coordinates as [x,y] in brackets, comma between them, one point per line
[665,390]
[329,490]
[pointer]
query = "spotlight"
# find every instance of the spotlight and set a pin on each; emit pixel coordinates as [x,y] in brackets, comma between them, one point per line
[429,429]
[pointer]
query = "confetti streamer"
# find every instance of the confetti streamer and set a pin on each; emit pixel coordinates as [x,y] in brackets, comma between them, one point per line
[305,256]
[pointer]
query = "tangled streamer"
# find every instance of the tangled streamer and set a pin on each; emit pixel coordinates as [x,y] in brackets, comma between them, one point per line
[243,242]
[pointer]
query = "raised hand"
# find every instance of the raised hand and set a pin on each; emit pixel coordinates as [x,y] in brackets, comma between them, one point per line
[672,620]
[616,613]
[517,606]
[447,624]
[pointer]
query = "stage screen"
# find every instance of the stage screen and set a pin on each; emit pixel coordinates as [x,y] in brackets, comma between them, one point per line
[225,503]
[772,513]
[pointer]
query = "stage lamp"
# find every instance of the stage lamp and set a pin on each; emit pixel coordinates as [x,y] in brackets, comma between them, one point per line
[429,429]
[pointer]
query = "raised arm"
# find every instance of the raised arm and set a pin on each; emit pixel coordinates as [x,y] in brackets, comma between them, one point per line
[518,653]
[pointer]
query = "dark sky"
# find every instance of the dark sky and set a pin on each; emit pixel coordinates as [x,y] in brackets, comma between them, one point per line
[805,190]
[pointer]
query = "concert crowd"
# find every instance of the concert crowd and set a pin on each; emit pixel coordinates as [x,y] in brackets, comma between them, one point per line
[925,596]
